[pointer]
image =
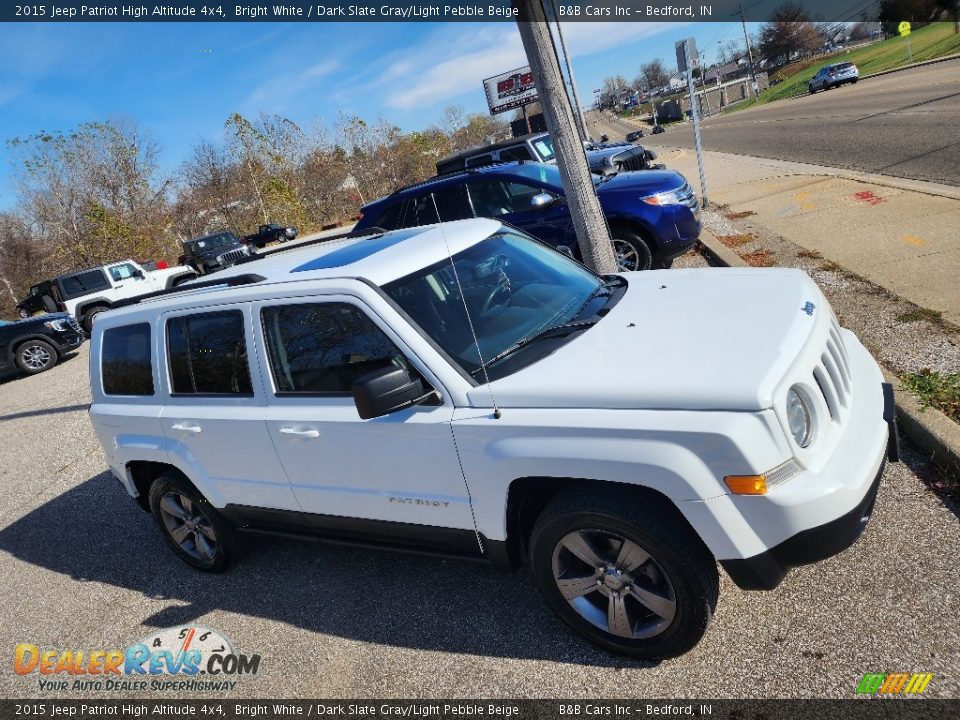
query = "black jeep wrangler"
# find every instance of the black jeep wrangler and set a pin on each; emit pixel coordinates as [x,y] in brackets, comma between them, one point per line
[41,298]
[213,252]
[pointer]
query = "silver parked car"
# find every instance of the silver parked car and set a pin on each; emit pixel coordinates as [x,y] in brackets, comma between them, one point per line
[832,76]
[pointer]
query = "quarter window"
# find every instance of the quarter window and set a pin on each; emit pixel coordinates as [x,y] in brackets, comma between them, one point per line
[208,354]
[125,360]
[322,348]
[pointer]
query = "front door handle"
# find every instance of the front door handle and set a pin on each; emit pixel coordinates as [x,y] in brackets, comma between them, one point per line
[186,427]
[300,433]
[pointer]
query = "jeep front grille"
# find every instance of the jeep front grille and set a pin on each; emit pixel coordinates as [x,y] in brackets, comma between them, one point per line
[832,373]
[229,258]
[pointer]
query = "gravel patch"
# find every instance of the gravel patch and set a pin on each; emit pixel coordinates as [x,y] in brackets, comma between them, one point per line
[884,322]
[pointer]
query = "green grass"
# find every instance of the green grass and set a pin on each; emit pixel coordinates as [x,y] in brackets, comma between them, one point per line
[934,316]
[933,41]
[936,390]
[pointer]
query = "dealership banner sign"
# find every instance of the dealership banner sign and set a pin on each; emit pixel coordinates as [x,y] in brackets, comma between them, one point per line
[510,90]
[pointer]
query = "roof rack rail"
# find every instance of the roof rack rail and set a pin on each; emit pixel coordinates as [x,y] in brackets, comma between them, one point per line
[459,171]
[316,241]
[230,281]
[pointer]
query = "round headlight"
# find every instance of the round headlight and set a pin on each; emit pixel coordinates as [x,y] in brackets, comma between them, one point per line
[798,418]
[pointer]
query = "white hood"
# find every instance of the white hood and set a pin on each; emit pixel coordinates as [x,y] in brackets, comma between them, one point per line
[706,339]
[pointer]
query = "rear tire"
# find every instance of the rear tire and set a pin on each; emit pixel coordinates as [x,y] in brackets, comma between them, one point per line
[23,313]
[631,251]
[200,535]
[625,571]
[35,356]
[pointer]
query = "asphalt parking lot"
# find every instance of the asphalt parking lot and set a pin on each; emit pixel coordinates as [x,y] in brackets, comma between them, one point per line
[84,568]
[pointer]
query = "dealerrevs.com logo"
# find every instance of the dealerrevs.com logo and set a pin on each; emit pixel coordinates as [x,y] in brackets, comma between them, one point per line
[173,659]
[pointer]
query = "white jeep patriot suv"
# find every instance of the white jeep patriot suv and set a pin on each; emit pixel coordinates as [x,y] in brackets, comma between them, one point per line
[464,390]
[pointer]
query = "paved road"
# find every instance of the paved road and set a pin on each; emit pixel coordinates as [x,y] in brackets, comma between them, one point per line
[905,124]
[83,568]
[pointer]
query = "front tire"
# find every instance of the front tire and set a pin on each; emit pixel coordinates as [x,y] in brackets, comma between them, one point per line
[810,89]
[88,318]
[35,356]
[625,571]
[631,251]
[23,313]
[191,526]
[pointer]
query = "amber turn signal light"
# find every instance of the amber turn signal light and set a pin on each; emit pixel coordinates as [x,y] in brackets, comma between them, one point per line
[747,484]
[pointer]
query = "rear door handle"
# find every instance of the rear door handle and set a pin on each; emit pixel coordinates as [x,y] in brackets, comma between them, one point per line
[186,427]
[300,433]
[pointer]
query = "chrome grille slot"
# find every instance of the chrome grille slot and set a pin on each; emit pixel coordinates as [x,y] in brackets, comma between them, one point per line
[827,362]
[838,362]
[826,389]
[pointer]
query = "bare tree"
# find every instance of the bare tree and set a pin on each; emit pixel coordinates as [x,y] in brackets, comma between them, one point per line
[789,31]
[655,73]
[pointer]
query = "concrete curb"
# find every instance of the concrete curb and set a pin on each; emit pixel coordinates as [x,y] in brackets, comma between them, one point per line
[929,429]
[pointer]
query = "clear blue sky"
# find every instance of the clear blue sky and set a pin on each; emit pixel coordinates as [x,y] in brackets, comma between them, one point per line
[182,80]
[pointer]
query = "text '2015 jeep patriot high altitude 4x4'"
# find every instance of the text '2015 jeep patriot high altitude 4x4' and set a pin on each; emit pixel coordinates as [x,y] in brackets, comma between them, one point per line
[465,390]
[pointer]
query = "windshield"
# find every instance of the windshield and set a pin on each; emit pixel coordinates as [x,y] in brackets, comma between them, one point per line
[213,241]
[514,288]
[544,148]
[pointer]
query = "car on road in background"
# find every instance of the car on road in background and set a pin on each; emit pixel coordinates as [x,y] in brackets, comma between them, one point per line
[36,344]
[654,215]
[270,233]
[463,390]
[634,135]
[213,252]
[40,299]
[833,76]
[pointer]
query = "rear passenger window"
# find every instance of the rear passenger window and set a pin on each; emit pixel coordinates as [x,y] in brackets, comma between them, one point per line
[208,354]
[85,282]
[452,203]
[389,219]
[323,348]
[125,366]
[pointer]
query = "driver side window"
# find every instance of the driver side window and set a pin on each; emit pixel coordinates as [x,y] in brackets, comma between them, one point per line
[493,198]
[322,348]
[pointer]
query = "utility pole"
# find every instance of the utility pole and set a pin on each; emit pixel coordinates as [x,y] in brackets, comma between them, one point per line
[584,134]
[694,115]
[746,39]
[593,234]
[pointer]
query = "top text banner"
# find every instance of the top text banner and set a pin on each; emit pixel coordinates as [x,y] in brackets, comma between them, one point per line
[398,11]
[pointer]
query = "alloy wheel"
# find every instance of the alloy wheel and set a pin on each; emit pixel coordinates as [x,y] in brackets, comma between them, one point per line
[628,259]
[614,584]
[36,357]
[188,527]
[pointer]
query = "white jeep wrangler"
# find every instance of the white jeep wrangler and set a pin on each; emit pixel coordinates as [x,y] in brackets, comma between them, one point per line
[87,293]
[464,390]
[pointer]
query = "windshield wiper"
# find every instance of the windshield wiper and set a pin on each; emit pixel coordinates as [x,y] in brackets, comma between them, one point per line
[552,331]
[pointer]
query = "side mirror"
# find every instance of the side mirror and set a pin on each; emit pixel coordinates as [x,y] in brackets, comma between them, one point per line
[138,274]
[387,390]
[542,200]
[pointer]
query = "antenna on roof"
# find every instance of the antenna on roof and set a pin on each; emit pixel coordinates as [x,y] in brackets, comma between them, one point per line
[483,365]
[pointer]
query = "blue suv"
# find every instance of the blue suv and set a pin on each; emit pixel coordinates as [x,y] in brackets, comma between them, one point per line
[653,215]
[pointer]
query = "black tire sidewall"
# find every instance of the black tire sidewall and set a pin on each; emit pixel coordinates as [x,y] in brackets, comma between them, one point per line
[34,343]
[227,546]
[88,317]
[694,604]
